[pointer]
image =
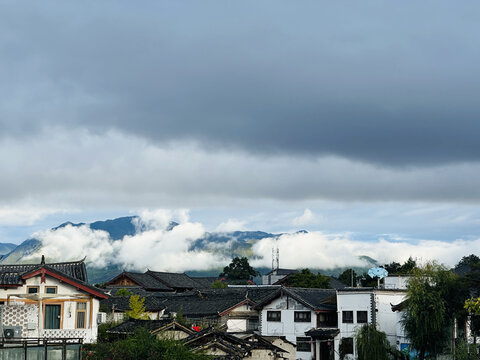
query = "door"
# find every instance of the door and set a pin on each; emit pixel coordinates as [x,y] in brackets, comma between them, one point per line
[52,316]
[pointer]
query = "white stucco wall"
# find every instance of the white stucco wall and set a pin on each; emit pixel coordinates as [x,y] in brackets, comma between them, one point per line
[396,282]
[287,326]
[67,296]
[361,300]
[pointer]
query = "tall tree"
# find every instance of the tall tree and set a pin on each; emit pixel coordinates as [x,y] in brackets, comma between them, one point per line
[239,270]
[431,305]
[372,344]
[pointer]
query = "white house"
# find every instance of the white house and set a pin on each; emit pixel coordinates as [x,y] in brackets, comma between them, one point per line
[291,312]
[358,306]
[48,301]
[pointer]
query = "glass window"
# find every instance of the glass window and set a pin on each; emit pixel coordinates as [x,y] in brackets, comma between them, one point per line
[51,289]
[81,315]
[303,344]
[346,345]
[274,316]
[362,317]
[52,316]
[347,317]
[302,316]
[32,289]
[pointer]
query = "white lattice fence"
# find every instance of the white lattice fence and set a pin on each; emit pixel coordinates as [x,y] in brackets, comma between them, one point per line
[20,315]
[64,333]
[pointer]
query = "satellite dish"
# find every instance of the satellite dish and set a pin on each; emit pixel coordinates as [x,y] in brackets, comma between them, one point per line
[377,272]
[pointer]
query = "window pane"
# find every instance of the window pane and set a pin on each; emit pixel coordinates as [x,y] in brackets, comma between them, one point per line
[347,316]
[361,317]
[81,306]
[33,290]
[52,316]
[51,290]
[274,316]
[81,319]
[302,316]
[346,344]
[303,344]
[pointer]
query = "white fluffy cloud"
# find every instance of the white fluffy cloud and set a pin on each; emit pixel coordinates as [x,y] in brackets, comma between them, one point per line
[156,247]
[319,250]
[231,225]
[308,217]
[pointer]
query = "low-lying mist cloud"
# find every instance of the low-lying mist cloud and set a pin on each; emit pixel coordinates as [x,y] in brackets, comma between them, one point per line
[325,251]
[158,246]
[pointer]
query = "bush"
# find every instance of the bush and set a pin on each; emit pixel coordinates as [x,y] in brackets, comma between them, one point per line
[140,346]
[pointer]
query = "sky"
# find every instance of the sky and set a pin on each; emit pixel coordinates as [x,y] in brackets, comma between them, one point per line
[357,120]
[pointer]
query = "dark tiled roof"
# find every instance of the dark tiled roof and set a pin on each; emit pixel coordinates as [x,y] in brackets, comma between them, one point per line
[174,280]
[323,333]
[204,282]
[12,274]
[316,299]
[336,284]
[131,325]
[122,303]
[147,281]
[212,302]
[282,272]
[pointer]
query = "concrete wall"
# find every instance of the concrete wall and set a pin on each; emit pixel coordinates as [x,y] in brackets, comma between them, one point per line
[287,326]
[377,303]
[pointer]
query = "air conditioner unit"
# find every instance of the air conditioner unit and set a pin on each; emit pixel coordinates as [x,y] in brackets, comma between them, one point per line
[101,318]
[10,332]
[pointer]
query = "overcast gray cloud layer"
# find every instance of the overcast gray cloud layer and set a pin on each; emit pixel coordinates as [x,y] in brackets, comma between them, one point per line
[392,83]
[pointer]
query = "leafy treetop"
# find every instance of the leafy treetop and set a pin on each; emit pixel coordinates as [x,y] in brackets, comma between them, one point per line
[407,267]
[239,270]
[307,279]
[348,277]
[137,308]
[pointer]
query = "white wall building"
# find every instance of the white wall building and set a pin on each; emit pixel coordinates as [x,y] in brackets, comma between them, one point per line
[49,301]
[291,312]
[358,306]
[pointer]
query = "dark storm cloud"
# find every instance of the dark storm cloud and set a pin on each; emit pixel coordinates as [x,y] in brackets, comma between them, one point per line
[387,83]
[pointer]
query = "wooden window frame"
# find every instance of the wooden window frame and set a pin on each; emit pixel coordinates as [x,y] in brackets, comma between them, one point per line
[81,311]
[274,319]
[61,314]
[51,287]
[298,316]
[33,287]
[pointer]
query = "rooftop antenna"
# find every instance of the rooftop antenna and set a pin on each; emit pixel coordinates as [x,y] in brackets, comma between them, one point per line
[273,258]
[278,258]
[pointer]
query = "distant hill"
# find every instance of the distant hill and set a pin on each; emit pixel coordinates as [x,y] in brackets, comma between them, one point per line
[236,243]
[5,248]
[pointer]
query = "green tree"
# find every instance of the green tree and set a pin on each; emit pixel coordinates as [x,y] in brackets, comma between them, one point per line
[137,308]
[470,260]
[239,270]
[395,267]
[218,284]
[348,277]
[431,305]
[123,292]
[307,279]
[372,344]
[141,346]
